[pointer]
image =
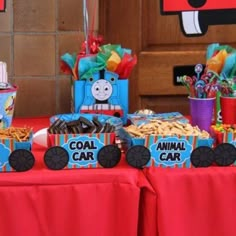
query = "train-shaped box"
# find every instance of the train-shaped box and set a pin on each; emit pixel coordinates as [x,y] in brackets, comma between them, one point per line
[15,153]
[225,136]
[102,93]
[99,149]
[78,141]
[179,149]
[82,141]
[90,143]
[176,151]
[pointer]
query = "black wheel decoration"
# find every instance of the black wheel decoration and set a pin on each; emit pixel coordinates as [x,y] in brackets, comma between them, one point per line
[202,157]
[56,158]
[21,160]
[109,156]
[138,156]
[225,154]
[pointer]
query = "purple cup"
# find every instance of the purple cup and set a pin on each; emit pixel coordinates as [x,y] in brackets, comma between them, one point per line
[201,111]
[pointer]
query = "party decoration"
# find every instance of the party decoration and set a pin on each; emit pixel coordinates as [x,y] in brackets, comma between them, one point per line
[94,56]
[99,74]
[196,16]
[2,5]
[113,58]
[202,90]
[222,60]
[162,143]
[203,85]
[227,87]
[7,97]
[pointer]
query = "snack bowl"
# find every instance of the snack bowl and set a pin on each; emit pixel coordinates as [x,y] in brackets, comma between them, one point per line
[224,133]
[16,154]
[167,150]
[82,141]
[182,151]
[225,142]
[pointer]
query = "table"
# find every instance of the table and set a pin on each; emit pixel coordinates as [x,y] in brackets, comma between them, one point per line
[193,202]
[106,202]
[117,201]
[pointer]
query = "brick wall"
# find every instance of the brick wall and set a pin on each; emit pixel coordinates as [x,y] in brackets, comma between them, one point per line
[33,36]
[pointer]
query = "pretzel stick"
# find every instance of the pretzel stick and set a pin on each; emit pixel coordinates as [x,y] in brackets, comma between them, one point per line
[19,134]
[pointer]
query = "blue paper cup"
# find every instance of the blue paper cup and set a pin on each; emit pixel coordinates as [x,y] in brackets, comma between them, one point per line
[7,105]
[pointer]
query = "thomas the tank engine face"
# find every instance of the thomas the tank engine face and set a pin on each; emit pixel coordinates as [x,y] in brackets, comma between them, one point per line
[103,93]
[101,90]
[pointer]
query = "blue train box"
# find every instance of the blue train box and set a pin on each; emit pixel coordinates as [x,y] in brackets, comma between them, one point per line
[16,154]
[83,150]
[87,141]
[225,141]
[172,151]
[151,147]
[103,93]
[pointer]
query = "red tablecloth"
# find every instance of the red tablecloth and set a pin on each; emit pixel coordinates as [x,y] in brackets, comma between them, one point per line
[87,202]
[195,202]
[119,201]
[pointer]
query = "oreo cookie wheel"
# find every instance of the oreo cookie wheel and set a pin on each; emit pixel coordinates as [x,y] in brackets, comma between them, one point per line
[225,154]
[21,160]
[202,156]
[138,156]
[109,156]
[56,158]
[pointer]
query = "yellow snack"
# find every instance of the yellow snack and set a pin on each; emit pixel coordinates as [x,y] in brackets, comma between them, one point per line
[19,134]
[166,128]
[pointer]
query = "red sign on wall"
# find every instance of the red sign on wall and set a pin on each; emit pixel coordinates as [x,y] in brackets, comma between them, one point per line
[197,15]
[2,5]
[191,5]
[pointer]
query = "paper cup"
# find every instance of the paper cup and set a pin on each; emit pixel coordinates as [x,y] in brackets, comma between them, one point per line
[201,111]
[7,105]
[228,110]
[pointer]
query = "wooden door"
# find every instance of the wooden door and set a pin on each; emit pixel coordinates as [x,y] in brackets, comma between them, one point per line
[161,43]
